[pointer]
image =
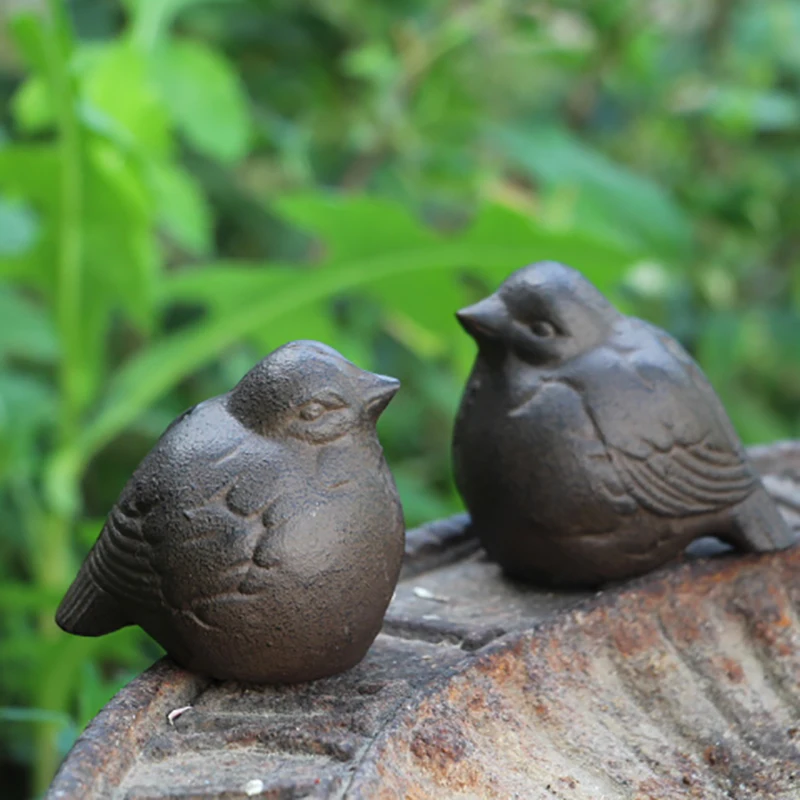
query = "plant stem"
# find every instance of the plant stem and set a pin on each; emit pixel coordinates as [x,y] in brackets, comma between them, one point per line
[70,246]
[51,564]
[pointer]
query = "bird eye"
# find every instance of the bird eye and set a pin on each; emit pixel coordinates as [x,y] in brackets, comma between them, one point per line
[311,411]
[542,329]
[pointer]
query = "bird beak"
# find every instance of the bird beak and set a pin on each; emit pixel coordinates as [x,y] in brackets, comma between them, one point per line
[484,320]
[382,390]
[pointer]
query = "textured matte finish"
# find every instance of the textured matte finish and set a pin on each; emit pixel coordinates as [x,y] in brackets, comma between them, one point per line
[589,446]
[262,537]
[682,684]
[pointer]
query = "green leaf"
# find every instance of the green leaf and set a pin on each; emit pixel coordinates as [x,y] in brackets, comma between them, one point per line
[430,300]
[26,330]
[19,227]
[120,258]
[88,529]
[224,286]
[355,226]
[34,715]
[602,261]
[152,18]
[359,226]
[153,372]
[420,340]
[29,173]
[432,297]
[205,98]
[119,261]
[314,322]
[32,106]
[753,419]
[117,82]
[16,597]
[27,406]
[26,29]
[181,208]
[626,201]
[744,109]
[118,231]
[25,401]
[420,503]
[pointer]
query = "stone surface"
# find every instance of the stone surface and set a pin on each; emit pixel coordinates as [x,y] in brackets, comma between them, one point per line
[684,683]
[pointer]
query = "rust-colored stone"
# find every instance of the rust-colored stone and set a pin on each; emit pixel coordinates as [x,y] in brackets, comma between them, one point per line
[438,743]
[682,684]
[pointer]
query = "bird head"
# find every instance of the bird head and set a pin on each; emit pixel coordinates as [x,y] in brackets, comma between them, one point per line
[546,313]
[308,391]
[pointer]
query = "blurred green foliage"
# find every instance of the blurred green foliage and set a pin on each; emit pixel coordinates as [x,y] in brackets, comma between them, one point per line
[185,185]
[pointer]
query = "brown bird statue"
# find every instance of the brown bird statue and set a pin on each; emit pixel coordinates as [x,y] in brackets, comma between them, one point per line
[261,539]
[589,446]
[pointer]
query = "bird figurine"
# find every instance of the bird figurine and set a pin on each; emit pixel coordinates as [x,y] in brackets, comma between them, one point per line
[261,539]
[589,446]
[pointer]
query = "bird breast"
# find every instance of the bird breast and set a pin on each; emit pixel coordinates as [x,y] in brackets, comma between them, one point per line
[345,517]
[530,448]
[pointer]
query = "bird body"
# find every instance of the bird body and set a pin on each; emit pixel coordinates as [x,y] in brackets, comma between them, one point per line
[589,446]
[256,545]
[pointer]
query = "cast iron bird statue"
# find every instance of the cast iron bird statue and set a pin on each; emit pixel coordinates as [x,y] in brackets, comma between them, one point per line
[589,446]
[261,539]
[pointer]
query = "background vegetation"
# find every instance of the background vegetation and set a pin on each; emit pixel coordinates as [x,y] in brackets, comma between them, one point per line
[186,185]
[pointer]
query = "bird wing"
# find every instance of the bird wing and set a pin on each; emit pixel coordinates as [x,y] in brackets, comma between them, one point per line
[121,561]
[194,500]
[666,431]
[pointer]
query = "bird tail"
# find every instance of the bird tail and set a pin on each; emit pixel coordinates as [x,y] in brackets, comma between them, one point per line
[88,610]
[760,527]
